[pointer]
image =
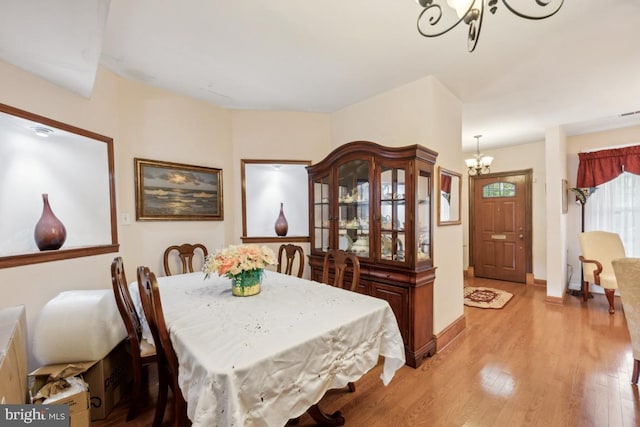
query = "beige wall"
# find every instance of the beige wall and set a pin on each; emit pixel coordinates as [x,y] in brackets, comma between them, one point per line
[150,123]
[158,125]
[423,112]
[555,154]
[273,135]
[144,122]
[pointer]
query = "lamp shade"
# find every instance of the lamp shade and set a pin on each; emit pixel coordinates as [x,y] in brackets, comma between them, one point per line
[461,6]
[486,161]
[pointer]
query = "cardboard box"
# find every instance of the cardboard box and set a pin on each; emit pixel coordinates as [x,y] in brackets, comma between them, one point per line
[107,378]
[79,410]
[13,355]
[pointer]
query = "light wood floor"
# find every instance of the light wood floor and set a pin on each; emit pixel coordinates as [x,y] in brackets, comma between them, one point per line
[528,364]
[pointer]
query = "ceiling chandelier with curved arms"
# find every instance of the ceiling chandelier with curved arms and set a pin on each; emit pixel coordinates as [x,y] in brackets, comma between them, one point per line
[471,12]
[479,164]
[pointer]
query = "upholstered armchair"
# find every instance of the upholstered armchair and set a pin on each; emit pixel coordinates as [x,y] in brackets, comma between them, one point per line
[598,249]
[627,271]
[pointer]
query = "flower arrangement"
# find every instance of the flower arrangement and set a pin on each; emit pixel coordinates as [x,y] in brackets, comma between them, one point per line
[244,264]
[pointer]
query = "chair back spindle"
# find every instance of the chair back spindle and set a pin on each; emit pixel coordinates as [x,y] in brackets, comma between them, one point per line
[339,261]
[287,255]
[186,254]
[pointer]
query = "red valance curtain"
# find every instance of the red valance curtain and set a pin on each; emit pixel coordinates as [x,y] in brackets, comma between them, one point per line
[598,167]
[445,183]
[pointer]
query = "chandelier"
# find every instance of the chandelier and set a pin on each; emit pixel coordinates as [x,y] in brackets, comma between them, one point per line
[480,163]
[432,24]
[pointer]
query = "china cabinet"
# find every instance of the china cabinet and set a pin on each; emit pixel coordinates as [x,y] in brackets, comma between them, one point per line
[375,202]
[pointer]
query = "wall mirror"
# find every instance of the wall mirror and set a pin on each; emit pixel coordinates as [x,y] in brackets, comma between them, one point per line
[449,183]
[266,186]
[74,167]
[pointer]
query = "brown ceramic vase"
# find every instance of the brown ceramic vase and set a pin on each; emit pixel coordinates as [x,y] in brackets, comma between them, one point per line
[282,226]
[50,232]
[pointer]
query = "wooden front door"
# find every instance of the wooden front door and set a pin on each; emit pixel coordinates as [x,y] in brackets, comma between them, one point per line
[500,221]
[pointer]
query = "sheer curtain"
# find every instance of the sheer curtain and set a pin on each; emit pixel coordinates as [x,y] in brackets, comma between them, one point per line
[615,207]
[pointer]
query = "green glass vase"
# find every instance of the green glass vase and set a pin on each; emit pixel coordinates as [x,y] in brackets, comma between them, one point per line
[247,283]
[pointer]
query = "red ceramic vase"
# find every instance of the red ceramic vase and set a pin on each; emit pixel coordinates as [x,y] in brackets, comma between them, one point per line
[50,233]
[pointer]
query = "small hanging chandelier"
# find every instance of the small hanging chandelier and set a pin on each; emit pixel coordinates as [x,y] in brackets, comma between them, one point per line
[480,164]
[471,13]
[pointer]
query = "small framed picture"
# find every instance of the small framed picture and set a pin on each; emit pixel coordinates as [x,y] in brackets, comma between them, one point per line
[167,191]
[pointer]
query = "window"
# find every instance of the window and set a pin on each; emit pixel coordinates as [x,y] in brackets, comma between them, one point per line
[615,207]
[499,189]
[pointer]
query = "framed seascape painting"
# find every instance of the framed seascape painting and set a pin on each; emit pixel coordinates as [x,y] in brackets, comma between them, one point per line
[167,191]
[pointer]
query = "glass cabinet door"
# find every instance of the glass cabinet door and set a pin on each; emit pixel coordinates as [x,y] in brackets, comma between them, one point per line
[321,214]
[353,207]
[393,215]
[424,217]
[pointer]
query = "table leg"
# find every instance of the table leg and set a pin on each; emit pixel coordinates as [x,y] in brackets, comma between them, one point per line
[324,419]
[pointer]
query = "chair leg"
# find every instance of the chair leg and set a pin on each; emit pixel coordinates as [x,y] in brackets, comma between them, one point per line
[136,394]
[609,293]
[636,371]
[585,291]
[161,403]
[179,407]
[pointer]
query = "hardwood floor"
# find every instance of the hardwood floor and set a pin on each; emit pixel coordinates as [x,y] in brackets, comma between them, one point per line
[528,364]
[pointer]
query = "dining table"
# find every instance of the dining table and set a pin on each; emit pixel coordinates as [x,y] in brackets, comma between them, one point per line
[269,358]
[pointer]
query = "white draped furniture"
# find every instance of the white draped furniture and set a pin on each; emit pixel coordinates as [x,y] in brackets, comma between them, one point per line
[264,359]
[598,249]
[627,272]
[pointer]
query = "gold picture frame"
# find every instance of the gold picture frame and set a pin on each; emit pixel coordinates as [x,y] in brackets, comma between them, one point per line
[168,191]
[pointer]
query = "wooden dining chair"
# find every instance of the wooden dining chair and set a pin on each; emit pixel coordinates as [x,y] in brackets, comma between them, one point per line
[288,254]
[141,351]
[338,261]
[167,359]
[186,252]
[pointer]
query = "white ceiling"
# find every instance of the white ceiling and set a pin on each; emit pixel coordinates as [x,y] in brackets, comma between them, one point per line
[579,68]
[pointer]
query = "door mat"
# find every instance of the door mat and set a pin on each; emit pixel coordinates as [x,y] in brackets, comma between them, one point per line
[485,297]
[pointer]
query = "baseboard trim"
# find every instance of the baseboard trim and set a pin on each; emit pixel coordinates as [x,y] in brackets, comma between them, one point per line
[449,333]
[556,300]
[540,282]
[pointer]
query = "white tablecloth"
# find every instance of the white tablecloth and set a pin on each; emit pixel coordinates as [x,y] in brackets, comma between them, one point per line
[261,360]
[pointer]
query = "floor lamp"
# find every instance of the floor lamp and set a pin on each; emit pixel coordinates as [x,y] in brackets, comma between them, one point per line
[582,194]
